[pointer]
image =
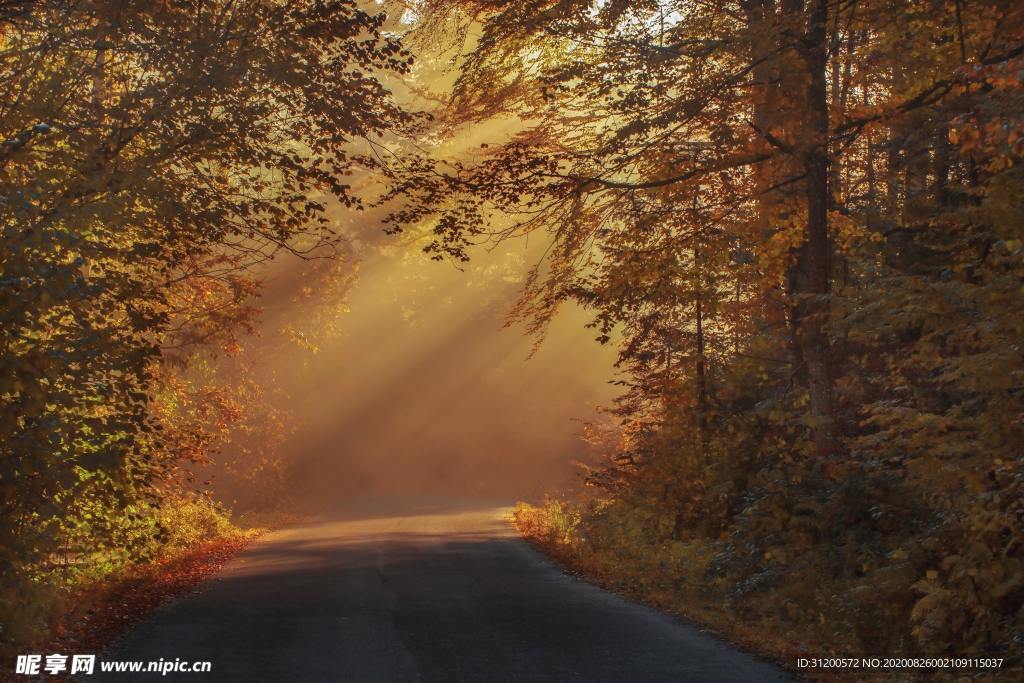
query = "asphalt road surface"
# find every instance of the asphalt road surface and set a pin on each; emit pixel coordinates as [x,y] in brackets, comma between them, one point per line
[401,590]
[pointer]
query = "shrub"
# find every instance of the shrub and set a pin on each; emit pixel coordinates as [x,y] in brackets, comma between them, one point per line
[190,521]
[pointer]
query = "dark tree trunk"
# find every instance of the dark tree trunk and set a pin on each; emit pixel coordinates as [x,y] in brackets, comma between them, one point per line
[812,279]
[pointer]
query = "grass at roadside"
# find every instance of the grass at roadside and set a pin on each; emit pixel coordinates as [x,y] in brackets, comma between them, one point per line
[670,578]
[674,577]
[92,601]
[650,577]
[99,612]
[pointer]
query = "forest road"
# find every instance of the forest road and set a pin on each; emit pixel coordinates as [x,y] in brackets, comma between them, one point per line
[393,589]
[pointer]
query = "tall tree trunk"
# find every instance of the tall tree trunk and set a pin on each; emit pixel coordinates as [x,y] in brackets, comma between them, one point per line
[812,277]
[769,115]
[701,368]
[873,209]
[765,111]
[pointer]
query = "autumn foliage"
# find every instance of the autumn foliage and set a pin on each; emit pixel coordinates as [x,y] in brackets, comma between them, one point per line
[152,154]
[800,224]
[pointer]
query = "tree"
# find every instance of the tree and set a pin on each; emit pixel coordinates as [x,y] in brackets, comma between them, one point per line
[151,150]
[846,169]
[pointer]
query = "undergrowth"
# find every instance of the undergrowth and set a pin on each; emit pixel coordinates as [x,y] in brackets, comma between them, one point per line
[779,604]
[164,550]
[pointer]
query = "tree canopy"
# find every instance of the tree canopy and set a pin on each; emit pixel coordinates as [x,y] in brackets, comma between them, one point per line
[152,153]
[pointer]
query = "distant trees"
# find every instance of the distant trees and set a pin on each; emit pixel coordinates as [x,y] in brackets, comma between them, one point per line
[151,153]
[801,218]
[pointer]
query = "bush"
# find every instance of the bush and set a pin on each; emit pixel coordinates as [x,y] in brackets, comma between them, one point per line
[190,521]
[556,521]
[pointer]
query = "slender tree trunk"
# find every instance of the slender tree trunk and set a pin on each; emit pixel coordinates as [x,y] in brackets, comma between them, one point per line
[701,369]
[869,142]
[702,382]
[813,278]
[770,115]
[761,19]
